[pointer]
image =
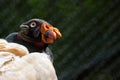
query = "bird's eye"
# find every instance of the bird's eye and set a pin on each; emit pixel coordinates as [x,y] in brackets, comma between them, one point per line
[33,24]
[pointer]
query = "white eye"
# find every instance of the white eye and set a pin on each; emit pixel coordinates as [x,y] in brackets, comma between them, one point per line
[33,24]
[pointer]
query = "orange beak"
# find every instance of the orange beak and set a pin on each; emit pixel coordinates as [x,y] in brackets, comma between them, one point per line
[49,33]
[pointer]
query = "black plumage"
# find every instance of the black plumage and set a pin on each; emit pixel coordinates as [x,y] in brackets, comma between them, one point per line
[35,39]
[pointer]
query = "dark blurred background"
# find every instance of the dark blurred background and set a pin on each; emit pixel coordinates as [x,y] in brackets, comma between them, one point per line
[89,48]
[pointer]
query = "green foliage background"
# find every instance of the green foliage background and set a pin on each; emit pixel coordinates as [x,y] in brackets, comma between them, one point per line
[89,48]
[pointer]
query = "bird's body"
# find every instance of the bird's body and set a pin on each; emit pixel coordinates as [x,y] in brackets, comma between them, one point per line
[17,64]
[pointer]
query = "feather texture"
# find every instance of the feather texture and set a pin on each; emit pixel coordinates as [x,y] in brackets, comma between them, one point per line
[17,64]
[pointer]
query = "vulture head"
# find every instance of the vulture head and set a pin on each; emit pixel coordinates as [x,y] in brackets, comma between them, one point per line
[39,30]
